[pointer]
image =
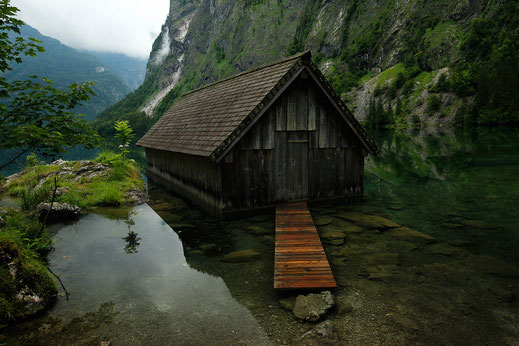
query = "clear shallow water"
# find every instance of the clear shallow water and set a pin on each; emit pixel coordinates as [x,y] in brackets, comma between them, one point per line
[435,180]
[166,284]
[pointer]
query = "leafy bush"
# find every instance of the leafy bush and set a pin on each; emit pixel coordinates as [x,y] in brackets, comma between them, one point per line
[434,102]
[108,158]
[119,171]
[31,197]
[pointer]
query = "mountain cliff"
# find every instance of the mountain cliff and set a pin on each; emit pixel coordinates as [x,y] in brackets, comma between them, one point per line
[408,62]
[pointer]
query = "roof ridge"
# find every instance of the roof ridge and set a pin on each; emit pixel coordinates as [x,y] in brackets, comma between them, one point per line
[293,57]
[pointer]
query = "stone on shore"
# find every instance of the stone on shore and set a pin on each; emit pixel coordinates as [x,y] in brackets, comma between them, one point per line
[59,212]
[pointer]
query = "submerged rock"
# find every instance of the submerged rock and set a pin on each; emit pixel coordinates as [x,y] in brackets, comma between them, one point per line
[382,259]
[59,212]
[170,218]
[451,225]
[368,221]
[209,248]
[408,234]
[313,307]
[260,218]
[447,250]
[258,230]
[405,322]
[241,256]
[323,334]
[288,303]
[504,294]
[477,224]
[491,265]
[321,220]
[332,234]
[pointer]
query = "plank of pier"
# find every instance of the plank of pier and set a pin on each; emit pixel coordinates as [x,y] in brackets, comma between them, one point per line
[300,260]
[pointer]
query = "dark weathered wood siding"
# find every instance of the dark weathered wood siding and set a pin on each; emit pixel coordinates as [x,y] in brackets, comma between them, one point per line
[299,149]
[194,177]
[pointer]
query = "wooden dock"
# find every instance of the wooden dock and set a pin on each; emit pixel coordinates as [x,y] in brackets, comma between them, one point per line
[300,260]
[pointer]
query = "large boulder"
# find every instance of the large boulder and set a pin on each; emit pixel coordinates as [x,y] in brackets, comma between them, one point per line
[59,212]
[313,307]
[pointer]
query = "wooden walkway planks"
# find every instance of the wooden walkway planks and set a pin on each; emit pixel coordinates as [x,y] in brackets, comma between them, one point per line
[300,261]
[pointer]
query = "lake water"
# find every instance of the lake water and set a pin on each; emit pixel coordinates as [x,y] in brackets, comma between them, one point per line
[436,177]
[153,274]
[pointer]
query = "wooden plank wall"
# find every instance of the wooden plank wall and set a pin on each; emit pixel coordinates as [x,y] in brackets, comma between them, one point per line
[253,173]
[193,177]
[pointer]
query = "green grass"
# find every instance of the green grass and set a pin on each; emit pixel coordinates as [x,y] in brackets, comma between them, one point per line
[441,33]
[103,190]
[389,74]
[24,240]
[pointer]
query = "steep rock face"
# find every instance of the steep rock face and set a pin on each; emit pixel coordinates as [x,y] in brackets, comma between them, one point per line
[352,41]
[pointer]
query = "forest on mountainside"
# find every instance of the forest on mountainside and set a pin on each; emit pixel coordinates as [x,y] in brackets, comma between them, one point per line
[400,63]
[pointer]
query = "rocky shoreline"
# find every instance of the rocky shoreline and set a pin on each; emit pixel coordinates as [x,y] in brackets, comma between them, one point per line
[27,286]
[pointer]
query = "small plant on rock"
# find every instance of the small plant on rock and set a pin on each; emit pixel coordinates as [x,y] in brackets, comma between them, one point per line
[125,134]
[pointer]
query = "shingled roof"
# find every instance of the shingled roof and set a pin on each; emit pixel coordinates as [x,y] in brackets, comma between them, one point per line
[208,121]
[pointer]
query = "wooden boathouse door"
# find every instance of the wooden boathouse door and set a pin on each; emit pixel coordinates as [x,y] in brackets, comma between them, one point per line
[291,155]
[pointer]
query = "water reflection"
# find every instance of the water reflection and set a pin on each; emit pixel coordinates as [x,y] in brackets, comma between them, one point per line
[158,297]
[438,180]
[132,239]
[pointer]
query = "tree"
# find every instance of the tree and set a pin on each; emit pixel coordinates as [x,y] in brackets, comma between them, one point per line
[35,116]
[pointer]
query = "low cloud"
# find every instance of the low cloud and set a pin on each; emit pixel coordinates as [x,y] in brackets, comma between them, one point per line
[118,26]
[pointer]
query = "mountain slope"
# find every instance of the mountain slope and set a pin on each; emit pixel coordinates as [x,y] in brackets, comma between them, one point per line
[64,65]
[412,62]
[130,70]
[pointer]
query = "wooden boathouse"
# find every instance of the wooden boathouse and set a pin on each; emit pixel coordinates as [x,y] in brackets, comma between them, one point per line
[274,134]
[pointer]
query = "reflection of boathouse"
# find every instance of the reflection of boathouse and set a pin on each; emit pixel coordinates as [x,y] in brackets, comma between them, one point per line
[273,134]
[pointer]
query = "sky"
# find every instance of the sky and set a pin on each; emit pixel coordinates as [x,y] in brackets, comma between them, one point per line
[118,26]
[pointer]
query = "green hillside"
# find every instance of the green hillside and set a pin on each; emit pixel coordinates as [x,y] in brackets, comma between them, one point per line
[64,65]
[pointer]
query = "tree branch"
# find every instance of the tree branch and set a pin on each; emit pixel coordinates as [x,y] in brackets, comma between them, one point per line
[14,159]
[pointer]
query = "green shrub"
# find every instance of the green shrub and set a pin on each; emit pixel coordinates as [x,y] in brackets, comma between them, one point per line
[108,158]
[434,102]
[119,171]
[408,87]
[378,90]
[31,197]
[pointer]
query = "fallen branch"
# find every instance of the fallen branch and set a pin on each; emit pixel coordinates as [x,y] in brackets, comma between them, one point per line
[62,286]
